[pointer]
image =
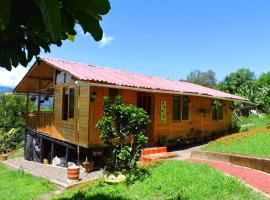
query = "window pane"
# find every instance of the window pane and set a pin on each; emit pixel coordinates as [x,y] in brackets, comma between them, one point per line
[71,102]
[65,104]
[176,108]
[68,78]
[220,112]
[144,101]
[60,77]
[214,114]
[113,93]
[185,111]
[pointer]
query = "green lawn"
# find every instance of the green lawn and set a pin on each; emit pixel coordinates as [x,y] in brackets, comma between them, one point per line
[254,144]
[174,180]
[19,185]
[259,122]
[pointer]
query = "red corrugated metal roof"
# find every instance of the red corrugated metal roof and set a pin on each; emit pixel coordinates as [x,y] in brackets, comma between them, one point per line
[92,73]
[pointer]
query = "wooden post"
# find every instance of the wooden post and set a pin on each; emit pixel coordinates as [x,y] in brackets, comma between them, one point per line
[25,141]
[67,149]
[52,152]
[39,87]
[41,150]
[27,109]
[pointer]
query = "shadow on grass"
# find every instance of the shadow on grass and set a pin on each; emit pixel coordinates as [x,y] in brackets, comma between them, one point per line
[80,195]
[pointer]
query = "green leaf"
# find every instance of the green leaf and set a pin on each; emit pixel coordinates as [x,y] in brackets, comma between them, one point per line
[50,10]
[5,8]
[71,37]
[91,25]
[101,7]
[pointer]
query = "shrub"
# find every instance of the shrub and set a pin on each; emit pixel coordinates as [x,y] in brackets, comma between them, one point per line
[122,129]
[12,120]
[9,140]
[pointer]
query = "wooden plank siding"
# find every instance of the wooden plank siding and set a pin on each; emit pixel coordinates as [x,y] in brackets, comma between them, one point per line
[83,116]
[89,112]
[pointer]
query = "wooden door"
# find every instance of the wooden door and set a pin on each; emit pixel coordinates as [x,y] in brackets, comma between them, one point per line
[145,101]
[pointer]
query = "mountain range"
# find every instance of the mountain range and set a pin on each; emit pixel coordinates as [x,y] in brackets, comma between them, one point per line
[4,89]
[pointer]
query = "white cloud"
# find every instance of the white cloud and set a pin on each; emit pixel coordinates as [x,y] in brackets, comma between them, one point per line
[106,40]
[13,77]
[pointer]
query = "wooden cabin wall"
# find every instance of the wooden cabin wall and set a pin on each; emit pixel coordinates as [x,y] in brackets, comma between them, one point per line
[96,113]
[62,129]
[199,124]
[96,110]
[83,116]
[91,111]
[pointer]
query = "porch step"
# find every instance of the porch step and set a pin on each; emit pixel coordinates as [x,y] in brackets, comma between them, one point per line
[156,153]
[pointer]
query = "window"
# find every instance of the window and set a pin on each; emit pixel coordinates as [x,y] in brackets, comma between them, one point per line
[144,101]
[68,103]
[217,113]
[113,93]
[185,110]
[214,114]
[62,77]
[176,108]
[220,112]
[65,104]
[71,103]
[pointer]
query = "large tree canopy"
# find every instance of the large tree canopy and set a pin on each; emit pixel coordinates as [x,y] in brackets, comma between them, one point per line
[29,25]
[207,78]
[235,80]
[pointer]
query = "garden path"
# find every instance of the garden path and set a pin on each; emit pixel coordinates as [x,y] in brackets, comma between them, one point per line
[57,175]
[184,153]
[256,179]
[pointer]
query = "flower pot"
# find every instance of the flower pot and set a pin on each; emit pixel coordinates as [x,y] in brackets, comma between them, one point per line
[45,161]
[4,156]
[73,172]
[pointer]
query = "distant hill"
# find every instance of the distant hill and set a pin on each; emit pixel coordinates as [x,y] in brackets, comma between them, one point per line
[4,89]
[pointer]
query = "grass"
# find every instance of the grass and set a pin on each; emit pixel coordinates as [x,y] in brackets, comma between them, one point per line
[16,153]
[259,122]
[172,180]
[19,185]
[253,143]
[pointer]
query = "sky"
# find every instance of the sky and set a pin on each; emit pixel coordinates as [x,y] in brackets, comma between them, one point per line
[171,38]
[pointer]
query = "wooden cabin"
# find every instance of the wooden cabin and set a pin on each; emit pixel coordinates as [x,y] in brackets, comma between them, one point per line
[178,110]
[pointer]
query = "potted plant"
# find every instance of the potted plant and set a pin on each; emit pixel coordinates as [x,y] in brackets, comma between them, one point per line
[5,138]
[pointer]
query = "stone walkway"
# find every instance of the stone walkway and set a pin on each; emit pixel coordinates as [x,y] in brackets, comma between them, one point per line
[256,179]
[183,154]
[57,175]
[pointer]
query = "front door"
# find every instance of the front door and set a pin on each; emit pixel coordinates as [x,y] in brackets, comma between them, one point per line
[144,101]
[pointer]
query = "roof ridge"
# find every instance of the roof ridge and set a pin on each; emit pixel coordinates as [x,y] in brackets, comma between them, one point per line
[120,70]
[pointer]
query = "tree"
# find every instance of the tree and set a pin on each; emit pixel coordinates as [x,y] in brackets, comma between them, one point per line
[207,78]
[12,120]
[264,79]
[122,129]
[251,92]
[235,80]
[29,25]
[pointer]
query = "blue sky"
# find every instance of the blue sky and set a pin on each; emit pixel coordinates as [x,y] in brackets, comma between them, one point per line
[171,38]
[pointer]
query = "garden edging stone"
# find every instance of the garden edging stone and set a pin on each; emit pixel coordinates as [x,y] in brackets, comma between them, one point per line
[262,164]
